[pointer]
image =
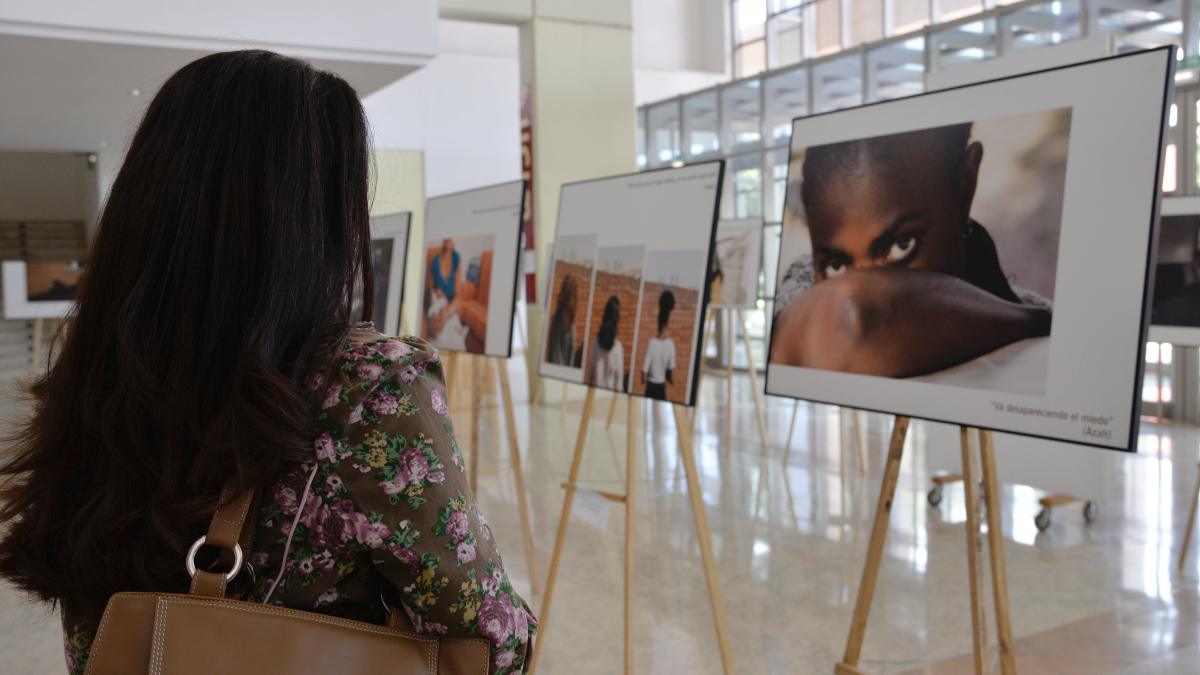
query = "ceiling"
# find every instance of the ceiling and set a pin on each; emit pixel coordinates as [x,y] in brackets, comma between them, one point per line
[64,95]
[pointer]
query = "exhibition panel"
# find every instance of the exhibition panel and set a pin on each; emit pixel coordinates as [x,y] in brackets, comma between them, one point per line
[945,255]
[736,263]
[43,289]
[626,296]
[389,252]
[471,261]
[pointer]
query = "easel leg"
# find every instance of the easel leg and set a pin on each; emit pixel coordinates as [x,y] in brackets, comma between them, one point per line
[860,442]
[728,324]
[787,447]
[514,450]
[702,533]
[612,410]
[563,519]
[473,467]
[974,549]
[630,470]
[39,337]
[991,495]
[1191,524]
[866,587]
[758,396]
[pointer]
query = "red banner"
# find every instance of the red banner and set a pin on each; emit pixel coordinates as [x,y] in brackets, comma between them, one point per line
[529,254]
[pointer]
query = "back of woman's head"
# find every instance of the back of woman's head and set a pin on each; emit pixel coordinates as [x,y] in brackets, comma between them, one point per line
[228,251]
[564,310]
[609,321]
[666,305]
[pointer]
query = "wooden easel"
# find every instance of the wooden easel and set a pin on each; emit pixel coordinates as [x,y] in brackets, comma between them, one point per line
[39,353]
[858,437]
[699,517]
[1191,524]
[759,406]
[995,545]
[514,445]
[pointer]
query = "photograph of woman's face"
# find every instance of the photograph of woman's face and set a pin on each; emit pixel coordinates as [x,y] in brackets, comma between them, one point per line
[914,254]
[903,202]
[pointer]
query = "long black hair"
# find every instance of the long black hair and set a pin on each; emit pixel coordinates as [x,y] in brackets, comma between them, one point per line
[666,305]
[609,321]
[226,255]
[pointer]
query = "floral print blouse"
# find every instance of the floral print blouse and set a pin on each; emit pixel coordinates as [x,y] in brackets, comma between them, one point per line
[382,511]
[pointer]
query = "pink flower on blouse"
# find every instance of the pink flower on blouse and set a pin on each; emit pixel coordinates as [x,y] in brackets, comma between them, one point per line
[355,415]
[408,374]
[325,448]
[382,403]
[438,399]
[465,552]
[369,534]
[458,525]
[414,467]
[327,597]
[404,555]
[505,658]
[286,498]
[394,350]
[495,619]
[315,381]
[369,371]
[333,484]
[332,396]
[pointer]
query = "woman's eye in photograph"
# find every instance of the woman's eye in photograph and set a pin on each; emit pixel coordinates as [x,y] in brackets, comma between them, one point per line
[901,249]
[835,268]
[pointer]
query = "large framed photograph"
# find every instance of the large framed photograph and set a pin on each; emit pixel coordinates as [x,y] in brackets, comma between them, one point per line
[470,259]
[627,284]
[978,255]
[1175,308]
[737,261]
[43,289]
[389,251]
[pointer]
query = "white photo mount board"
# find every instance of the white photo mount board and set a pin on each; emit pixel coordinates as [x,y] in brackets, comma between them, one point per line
[16,297]
[1185,336]
[671,215]
[1101,304]
[740,290]
[493,210]
[395,227]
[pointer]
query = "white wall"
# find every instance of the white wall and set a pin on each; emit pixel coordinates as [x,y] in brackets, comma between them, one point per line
[462,110]
[384,29]
[680,35]
[45,186]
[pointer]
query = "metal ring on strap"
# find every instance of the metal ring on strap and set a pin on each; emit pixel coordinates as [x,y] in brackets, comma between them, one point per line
[230,575]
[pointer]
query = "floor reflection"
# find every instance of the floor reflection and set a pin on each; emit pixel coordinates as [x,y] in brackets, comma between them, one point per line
[790,539]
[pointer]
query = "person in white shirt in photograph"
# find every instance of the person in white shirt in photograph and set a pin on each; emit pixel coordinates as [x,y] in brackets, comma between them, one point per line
[660,352]
[606,355]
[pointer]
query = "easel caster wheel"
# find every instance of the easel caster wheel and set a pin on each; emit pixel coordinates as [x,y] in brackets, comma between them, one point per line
[934,496]
[1042,520]
[1090,511]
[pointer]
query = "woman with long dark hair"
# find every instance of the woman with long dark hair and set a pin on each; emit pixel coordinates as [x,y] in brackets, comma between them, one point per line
[659,363]
[606,355]
[214,339]
[560,347]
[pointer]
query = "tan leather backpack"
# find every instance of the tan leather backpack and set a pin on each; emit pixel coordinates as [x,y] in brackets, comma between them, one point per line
[203,632]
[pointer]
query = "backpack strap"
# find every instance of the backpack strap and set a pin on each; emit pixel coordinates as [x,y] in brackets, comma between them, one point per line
[227,532]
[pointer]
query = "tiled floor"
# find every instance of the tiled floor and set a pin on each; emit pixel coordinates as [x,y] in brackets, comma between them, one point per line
[790,542]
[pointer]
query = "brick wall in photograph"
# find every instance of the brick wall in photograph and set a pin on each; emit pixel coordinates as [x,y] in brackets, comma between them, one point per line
[625,288]
[679,328]
[583,279]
